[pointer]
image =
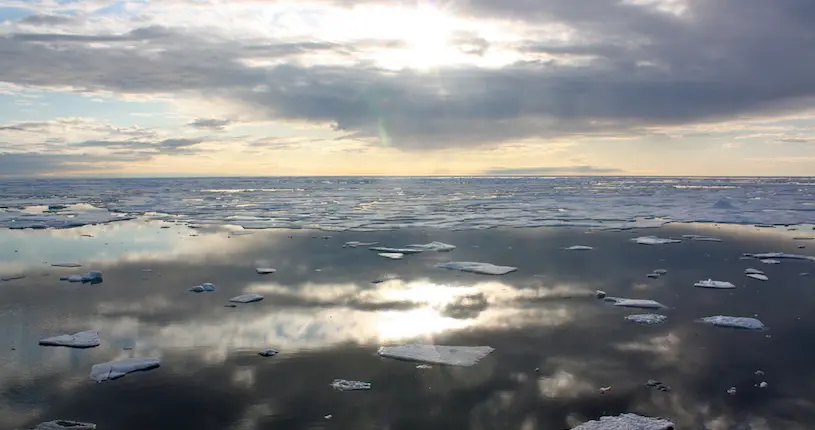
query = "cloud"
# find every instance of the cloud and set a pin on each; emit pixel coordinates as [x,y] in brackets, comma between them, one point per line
[166,146]
[38,164]
[210,124]
[588,170]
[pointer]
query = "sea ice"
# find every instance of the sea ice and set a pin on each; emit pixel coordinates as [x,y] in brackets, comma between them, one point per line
[119,368]
[265,270]
[269,352]
[203,288]
[648,319]
[247,298]
[710,283]
[82,339]
[758,276]
[392,255]
[706,239]
[733,322]
[782,255]
[753,271]
[66,265]
[437,354]
[653,240]
[11,278]
[346,385]
[354,244]
[653,275]
[635,303]
[93,277]
[578,248]
[770,261]
[660,272]
[433,246]
[384,278]
[396,250]
[474,267]
[64,425]
[627,422]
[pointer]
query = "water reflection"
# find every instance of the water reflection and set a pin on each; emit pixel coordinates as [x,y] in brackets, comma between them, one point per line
[327,325]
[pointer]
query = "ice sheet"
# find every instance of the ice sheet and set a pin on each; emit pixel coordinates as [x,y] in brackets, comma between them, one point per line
[247,298]
[627,422]
[475,267]
[64,425]
[654,240]
[734,322]
[82,339]
[437,354]
[346,385]
[578,248]
[648,319]
[635,303]
[203,288]
[119,368]
[434,246]
[710,283]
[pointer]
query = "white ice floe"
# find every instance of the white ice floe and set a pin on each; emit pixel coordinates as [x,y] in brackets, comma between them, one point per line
[64,425]
[268,352]
[710,283]
[93,276]
[653,275]
[770,261]
[82,339]
[635,303]
[734,322]
[206,287]
[265,270]
[8,278]
[653,240]
[437,354]
[753,271]
[759,276]
[355,244]
[781,256]
[660,272]
[627,422]
[392,255]
[247,298]
[396,250]
[706,239]
[66,265]
[119,368]
[648,319]
[475,267]
[346,385]
[434,246]
[578,248]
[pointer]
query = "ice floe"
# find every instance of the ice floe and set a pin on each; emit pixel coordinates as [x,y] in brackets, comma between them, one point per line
[346,385]
[654,240]
[653,275]
[770,261]
[82,339]
[384,278]
[265,270]
[396,250]
[747,323]
[706,239]
[759,276]
[710,283]
[578,248]
[660,272]
[66,265]
[92,277]
[203,288]
[647,319]
[627,422]
[781,256]
[437,354]
[434,246]
[475,267]
[119,368]
[392,255]
[268,352]
[8,278]
[635,303]
[355,244]
[751,271]
[247,298]
[64,425]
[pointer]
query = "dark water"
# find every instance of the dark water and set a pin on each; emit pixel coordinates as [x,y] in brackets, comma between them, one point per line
[328,324]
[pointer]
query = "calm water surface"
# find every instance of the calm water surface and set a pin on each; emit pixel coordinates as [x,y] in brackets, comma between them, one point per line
[327,318]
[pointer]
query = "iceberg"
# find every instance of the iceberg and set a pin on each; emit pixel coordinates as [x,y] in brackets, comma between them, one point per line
[578,248]
[648,319]
[345,385]
[653,240]
[627,422]
[759,276]
[392,255]
[733,322]
[265,270]
[653,275]
[203,288]
[434,246]
[82,339]
[437,354]
[475,267]
[635,303]
[710,283]
[63,425]
[247,298]
[119,368]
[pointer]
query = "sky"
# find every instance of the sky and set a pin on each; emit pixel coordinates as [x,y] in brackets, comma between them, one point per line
[410,87]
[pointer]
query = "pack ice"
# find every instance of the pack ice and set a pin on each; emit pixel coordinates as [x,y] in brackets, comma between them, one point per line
[635,303]
[82,339]
[647,319]
[475,267]
[627,422]
[116,369]
[206,287]
[247,298]
[654,240]
[710,283]
[734,322]
[63,425]
[437,354]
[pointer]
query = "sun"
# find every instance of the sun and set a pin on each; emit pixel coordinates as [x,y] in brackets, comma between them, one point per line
[428,38]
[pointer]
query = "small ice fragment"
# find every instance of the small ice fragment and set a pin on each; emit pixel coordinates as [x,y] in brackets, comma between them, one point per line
[71,278]
[803,274]
[734,322]
[658,385]
[203,288]
[396,250]
[63,425]
[392,255]
[710,283]
[707,239]
[384,278]
[247,298]
[600,294]
[424,366]
[648,319]
[434,246]
[474,267]
[328,417]
[803,238]
[758,276]
[354,244]
[604,389]
[731,391]
[653,275]
[753,271]
[783,255]
[345,385]
[82,339]
[230,305]
[635,303]
[437,354]
[265,270]
[66,265]
[770,261]
[268,352]
[763,384]
[578,248]
[627,422]
[653,240]
[117,369]
[11,278]
[759,372]
[660,271]
[691,236]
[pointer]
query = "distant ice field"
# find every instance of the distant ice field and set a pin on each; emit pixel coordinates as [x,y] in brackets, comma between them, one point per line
[389,203]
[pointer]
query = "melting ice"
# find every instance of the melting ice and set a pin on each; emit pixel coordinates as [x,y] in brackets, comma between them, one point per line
[119,368]
[437,354]
[64,425]
[710,283]
[82,339]
[647,319]
[653,240]
[247,298]
[203,288]
[475,267]
[734,322]
[346,385]
[635,303]
[578,248]
[627,422]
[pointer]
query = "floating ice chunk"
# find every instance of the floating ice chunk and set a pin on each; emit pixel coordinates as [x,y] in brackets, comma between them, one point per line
[752,271]
[627,422]
[660,272]
[758,276]
[475,267]
[269,352]
[392,255]
[803,238]
[396,250]
[733,322]
[117,369]
[354,244]
[265,270]
[649,319]
[63,425]
[691,236]
[578,248]
[82,339]
[600,294]
[11,278]
[710,283]
[247,298]
[93,277]
[203,288]
[345,385]
[434,246]
[71,278]
[770,261]
[384,278]
[782,255]
[635,303]
[437,354]
[706,239]
[66,265]
[653,275]
[424,366]
[653,240]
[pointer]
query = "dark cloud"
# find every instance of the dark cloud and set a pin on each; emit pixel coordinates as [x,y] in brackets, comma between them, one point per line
[48,19]
[588,170]
[39,164]
[166,146]
[210,124]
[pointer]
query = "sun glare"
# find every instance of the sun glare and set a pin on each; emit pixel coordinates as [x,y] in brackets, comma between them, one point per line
[428,38]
